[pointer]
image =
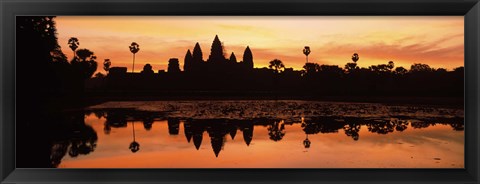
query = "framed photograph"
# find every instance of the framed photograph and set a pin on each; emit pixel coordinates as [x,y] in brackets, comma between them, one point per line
[240,91]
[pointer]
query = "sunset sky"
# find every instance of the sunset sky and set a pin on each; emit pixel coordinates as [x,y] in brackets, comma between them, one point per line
[435,40]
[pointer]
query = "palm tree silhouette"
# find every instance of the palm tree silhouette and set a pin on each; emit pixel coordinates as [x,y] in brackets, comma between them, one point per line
[106,65]
[355,57]
[73,44]
[134,48]
[306,51]
[134,146]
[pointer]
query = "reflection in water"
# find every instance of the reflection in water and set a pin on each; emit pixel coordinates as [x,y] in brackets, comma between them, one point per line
[81,139]
[134,146]
[75,138]
[276,131]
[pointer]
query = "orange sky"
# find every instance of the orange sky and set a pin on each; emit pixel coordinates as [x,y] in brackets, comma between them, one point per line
[434,40]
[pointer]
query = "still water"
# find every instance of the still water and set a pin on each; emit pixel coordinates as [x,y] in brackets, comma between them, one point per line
[264,134]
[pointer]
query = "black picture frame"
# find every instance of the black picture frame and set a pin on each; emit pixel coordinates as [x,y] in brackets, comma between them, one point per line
[470,9]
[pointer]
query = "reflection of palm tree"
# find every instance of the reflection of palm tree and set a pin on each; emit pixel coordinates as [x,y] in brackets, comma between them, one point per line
[134,48]
[306,142]
[134,146]
[306,51]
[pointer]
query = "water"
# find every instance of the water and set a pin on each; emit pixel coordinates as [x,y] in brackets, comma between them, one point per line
[262,134]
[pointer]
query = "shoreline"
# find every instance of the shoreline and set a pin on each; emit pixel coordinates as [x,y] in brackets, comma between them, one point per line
[455,102]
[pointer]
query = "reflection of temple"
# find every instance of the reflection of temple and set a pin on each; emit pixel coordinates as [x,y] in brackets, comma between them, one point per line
[173,126]
[219,129]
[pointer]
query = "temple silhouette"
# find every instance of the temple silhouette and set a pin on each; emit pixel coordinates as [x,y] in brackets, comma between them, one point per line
[216,62]
[216,72]
[218,75]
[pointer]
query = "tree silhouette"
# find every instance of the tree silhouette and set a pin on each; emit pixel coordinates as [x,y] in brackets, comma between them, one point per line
[400,71]
[134,48]
[147,69]
[379,69]
[331,70]
[73,44]
[106,65]
[99,75]
[306,51]
[277,65]
[310,68]
[352,66]
[40,60]
[390,65]
[418,67]
[441,70]
[85,64]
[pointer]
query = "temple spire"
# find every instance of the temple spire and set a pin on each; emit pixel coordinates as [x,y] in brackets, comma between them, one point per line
[248,58]
[216,52]
[187,64]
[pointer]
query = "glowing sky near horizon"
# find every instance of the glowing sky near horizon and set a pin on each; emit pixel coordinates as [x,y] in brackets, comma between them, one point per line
[434,40]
